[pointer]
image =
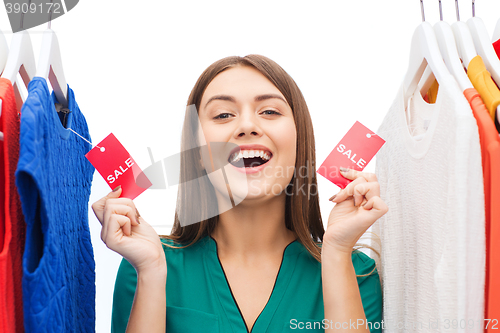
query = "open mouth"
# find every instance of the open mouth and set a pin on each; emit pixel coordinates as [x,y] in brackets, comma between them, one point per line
[250,158]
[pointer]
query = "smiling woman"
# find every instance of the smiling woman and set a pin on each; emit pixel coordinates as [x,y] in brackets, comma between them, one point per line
[258,258]
[252,100]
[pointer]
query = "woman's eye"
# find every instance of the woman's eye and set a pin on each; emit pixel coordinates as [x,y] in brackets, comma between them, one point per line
[223,116]
[271,112]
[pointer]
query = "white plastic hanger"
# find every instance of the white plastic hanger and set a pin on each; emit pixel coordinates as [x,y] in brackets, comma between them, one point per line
[496,33]
[4,52]
[424,52]
[463,39]
[485,48]
[448,48]
[20,60]
[50,64]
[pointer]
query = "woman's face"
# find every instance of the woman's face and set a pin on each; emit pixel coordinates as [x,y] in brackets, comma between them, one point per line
[243,109]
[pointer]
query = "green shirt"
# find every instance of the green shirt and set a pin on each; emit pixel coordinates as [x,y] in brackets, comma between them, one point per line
[199,298]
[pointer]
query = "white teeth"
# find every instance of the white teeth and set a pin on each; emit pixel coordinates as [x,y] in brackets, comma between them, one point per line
[238,156]
[249,154]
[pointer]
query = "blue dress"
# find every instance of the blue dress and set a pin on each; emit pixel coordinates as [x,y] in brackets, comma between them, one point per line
[53,178]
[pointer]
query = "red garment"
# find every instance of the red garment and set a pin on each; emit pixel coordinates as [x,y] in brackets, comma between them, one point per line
[12,225]
[490,153]
[496,46]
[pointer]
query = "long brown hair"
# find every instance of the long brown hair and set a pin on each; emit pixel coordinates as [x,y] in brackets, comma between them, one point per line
[302,213]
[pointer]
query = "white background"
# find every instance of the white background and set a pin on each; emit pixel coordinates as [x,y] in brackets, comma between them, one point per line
[132,65]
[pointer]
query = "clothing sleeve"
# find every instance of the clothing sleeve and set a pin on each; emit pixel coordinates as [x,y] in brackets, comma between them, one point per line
[123,296]
[369,289]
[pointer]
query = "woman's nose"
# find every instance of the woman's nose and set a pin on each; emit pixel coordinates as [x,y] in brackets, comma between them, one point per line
[248,125]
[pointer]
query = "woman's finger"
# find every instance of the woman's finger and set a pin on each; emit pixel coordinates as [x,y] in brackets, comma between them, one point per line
[104,232]
[348,191]
[118,227]
[377,206]
[366,190]
[353,174]
[98,206]
[122,206]
[120,209]
[127,202]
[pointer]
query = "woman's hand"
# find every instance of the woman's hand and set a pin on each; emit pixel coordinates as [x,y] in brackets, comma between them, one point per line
[125,232]
[357,207]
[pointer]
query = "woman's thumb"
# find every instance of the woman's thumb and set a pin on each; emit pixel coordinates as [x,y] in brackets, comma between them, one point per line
[117,191]
[98,206]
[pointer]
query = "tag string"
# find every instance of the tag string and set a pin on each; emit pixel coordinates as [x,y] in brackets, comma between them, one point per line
[101,148]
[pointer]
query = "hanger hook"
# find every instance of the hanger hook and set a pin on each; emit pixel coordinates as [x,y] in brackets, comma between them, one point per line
[22,15]
[456,7]
[50,13]
[440,11]
[422,7]
[473,8]
[21,25]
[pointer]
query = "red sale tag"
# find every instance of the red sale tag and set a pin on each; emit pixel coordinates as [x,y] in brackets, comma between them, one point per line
[117,167]
[354,151]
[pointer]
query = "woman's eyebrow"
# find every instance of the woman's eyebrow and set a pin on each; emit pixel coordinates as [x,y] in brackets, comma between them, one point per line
[222,98]
[269,96]
[258,98]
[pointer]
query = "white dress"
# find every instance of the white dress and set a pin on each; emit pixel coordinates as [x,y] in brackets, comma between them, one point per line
[433,236]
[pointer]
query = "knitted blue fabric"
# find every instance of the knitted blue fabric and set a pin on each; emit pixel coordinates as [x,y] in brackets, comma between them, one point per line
[53,178]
